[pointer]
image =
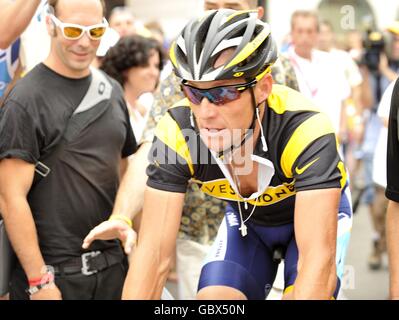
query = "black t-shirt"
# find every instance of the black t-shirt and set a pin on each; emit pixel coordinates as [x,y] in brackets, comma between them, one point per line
[392,191]
[79,192]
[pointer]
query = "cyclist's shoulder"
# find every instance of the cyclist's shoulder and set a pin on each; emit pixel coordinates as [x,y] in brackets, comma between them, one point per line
[181,105]
[284,99]
[176,119]
[180,113]
[294,123]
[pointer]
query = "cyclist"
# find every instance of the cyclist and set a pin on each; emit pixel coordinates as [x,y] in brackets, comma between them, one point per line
[282,175]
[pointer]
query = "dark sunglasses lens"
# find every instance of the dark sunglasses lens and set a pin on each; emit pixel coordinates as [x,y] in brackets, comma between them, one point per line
[192,94]
[224,95]
[217,96]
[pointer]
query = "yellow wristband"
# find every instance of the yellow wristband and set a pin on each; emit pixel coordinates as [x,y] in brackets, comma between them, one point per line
[121,218]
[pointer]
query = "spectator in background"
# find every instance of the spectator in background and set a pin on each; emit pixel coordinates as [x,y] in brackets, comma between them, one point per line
[389,65]
[157,32]
[15,17]
[59,111]
[354,44]
[389,68]
[351,71]
[379,206]
[378,74]
[122,23]
[319,77]
[233,4]
[9,64]
[135,62]
[353,107]
[35,41]
[122,20]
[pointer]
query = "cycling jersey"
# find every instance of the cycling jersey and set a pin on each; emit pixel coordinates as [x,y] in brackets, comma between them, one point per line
[301,146]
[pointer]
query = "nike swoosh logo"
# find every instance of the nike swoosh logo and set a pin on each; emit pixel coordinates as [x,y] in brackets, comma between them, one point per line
[304,168]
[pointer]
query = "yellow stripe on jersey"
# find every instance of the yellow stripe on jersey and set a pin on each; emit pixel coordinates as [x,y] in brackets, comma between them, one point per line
[222,189]
[284,99]
[341,168]
[313,128]
[170,134]
[181,103]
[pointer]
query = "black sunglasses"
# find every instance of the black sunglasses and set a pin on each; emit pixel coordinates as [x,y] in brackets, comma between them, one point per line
[216,95]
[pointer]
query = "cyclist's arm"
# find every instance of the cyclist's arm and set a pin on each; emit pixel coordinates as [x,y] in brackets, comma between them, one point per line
[15,17]
[316,233]
[311,158]
[150,263]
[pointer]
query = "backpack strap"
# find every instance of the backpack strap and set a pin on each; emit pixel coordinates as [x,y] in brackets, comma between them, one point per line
[94,104]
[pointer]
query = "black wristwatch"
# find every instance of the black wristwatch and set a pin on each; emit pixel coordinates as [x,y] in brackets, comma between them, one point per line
[43,282]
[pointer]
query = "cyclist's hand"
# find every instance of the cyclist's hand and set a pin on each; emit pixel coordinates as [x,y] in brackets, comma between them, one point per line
[114,229]
[49,292]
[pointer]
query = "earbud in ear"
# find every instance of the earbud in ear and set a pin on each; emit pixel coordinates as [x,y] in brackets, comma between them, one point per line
[262,134]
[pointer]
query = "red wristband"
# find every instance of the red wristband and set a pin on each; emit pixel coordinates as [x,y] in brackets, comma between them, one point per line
[45,279]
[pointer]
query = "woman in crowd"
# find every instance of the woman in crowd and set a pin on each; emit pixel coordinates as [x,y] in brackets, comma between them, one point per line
[135,62]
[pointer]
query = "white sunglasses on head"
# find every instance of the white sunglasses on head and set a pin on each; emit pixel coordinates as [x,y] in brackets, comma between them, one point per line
[72,31]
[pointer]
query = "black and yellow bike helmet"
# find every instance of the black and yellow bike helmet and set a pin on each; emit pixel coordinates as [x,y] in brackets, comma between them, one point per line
[197,48]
